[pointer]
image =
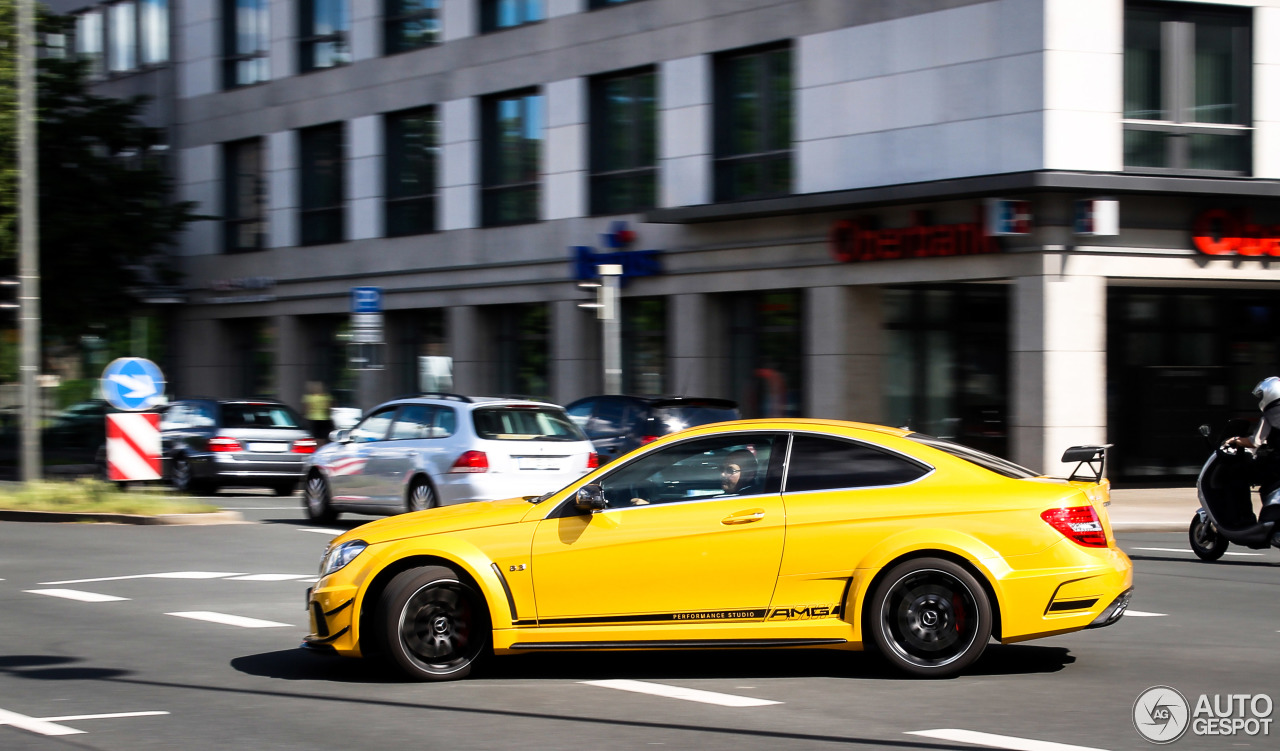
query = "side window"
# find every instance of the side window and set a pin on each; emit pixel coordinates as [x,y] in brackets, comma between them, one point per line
[202,415]
[446,423]
[719,467]
[413,422]
[175,417]
[580,413]
[609,414]
[374,427]
[828,464]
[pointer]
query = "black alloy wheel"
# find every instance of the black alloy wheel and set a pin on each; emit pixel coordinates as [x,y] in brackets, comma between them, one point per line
[421,496]
[315,499]
[930,617]
[1206,541]
[434,626]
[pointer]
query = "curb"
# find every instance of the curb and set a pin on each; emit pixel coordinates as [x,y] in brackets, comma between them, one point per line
[216,517]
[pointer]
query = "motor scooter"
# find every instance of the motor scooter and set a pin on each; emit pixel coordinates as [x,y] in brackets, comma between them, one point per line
[1225,487]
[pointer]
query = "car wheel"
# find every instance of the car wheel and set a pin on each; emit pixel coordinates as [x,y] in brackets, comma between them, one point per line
[435,627]
[315,499]
[421,496]
[180,475]
[930,617]
[1206,541]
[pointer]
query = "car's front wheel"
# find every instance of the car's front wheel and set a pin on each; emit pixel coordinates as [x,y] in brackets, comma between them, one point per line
[315,499]
[930,617]
[421,496]
[434,626]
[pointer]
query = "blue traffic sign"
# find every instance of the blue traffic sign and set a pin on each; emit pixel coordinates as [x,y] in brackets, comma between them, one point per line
[132,384]
[366,299]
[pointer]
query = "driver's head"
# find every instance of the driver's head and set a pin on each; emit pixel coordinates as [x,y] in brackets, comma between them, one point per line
[737,471]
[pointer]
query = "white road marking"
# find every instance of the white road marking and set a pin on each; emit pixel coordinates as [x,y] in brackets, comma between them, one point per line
[34,725]
[322,531]
[269,577]
[229,620]
[167,575]
[111,716]
[998,741]
[75,594]
[1141,614]
[258,508]
[687,694]
[1189,552]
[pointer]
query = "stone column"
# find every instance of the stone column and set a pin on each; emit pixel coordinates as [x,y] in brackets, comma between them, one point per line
[1059,368]
[575,352]
[282,189]
[459,164]
[290,360]
[843,349]
[458,19]
[685,139]
[207,363]
[465,328]
[365,186]
[697,355]
[565,157]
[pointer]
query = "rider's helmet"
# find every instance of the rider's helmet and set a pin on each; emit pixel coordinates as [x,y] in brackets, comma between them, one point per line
[1268,392]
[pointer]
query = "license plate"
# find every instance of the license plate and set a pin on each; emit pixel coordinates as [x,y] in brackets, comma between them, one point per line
[539,462]
[278,448]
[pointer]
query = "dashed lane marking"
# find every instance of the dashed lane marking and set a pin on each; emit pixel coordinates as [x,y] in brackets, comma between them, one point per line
[998,741]
[269,577]
[259,508]
[687,694]
[50,726]
[1141,614]
[229,620]
[166,575]
[75,594]
[322,531]
[1189,552]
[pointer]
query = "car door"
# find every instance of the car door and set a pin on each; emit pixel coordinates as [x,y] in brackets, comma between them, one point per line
[353,471]
[673,544]
[403,450]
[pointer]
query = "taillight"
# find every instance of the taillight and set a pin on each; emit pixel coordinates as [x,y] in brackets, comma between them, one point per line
[593,460]
[471,461]
[304,446]
[222,444]
[1079,523]
[647,439]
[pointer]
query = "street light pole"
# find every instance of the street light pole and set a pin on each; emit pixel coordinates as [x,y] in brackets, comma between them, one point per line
[611,315]
[28,252]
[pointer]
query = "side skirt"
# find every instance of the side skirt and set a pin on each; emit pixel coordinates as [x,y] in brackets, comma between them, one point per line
[682,644]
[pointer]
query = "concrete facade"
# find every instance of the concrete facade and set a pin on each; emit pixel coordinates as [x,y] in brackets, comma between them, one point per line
[902,113]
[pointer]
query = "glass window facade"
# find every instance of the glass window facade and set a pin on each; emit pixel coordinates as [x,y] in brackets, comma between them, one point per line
[412,154]
[496,15]
[766,354]
[122,36]
[753,124]
[644,345]
[321,171]
[90,41]
[322,35]
[1187,82]
[427,365]
[624,142]
[511,158]
[153,32]
[946,369]
[245,196]
[593,4]
[410,24]
[523,343]
[246,39]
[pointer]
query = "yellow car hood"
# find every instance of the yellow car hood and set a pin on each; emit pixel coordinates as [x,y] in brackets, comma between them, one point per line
[443,519]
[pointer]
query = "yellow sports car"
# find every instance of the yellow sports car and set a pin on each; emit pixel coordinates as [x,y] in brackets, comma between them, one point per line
[759,533]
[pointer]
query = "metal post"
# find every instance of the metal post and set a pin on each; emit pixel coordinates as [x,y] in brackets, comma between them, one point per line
[611,314]
[29,248]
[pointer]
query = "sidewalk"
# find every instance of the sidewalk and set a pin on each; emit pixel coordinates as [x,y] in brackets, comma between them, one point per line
[1152,509]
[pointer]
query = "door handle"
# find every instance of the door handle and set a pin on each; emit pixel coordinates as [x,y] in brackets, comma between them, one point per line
[744,517]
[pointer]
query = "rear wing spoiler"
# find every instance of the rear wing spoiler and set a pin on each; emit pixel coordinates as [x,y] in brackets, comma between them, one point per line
[1093,457]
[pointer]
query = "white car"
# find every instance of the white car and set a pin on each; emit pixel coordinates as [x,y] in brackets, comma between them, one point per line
[433,450]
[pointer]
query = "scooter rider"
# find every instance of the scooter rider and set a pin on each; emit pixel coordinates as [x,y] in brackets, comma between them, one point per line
[1266,451]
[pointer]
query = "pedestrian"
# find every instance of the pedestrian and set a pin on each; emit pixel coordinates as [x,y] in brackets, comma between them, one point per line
[317,403]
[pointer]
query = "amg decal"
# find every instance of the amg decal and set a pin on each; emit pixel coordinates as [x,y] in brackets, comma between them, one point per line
[804,614]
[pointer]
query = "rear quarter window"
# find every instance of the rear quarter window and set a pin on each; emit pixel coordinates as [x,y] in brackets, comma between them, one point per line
[987,461]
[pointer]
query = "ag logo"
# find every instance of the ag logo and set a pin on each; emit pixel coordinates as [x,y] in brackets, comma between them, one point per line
[1161,714]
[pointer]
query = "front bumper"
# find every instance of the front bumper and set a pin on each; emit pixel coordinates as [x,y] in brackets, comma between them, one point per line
[233,469]
[332,619]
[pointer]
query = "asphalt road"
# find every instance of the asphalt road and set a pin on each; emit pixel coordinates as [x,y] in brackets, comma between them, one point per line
[128,673]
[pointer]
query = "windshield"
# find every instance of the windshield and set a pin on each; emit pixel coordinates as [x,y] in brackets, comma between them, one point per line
[981,458]
[258,416]
[525,424]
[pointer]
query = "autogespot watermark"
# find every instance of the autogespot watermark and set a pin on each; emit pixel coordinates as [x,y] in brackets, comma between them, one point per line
[1163,715]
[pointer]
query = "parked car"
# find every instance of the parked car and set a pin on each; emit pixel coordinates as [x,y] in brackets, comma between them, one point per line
[619,424]
[437,449]
[78,434]
[209,444]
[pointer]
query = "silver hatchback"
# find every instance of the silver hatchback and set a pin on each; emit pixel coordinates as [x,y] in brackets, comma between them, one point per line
[438,449]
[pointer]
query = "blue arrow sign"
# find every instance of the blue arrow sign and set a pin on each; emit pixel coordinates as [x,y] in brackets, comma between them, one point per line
[132,384]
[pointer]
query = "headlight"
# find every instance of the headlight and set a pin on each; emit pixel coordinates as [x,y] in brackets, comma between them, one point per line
[335,558]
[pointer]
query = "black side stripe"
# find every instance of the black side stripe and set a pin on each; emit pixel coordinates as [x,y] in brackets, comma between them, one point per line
[748,614]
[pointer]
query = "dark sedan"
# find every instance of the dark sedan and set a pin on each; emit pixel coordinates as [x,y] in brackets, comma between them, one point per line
[618,424]
[210,444]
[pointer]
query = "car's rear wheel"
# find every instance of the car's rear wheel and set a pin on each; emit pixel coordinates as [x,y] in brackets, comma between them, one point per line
[930,617]
[1206,541]
[184,479]
[435,626]
[421,496]
[315,499]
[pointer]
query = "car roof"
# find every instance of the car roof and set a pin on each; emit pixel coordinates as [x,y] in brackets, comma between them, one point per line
[473,401]
[668,400]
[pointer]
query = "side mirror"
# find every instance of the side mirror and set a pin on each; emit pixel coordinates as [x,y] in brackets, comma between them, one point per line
[590,499]
[339,436]
[1205,430]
